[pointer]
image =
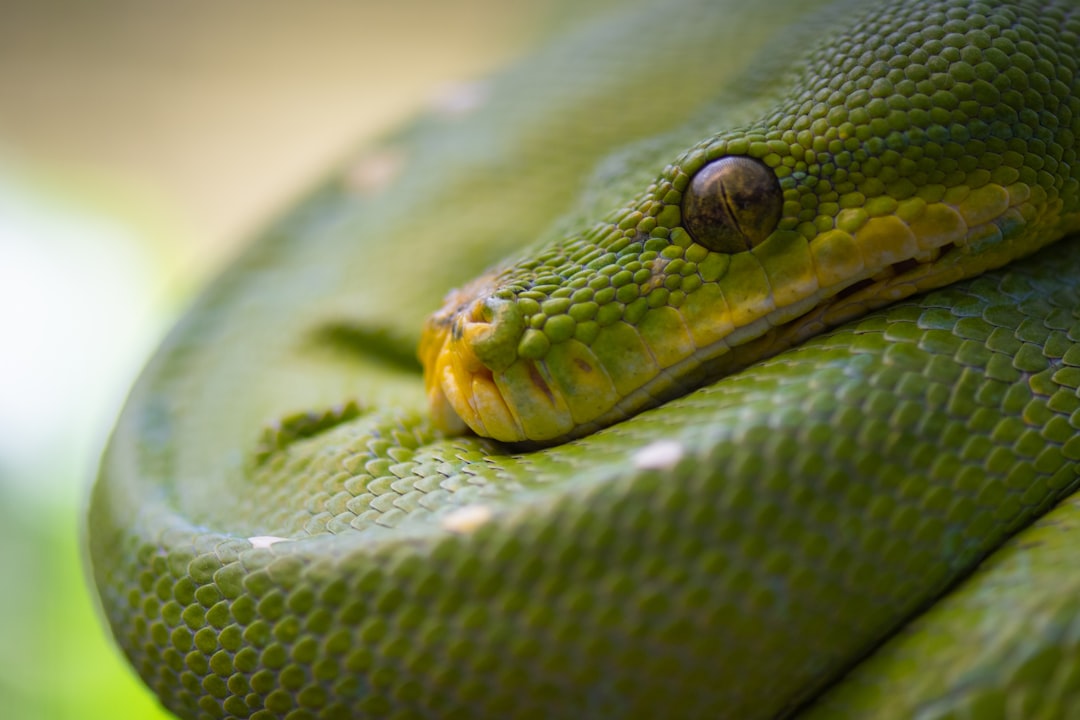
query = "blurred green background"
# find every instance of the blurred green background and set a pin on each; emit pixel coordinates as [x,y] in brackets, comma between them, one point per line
[141,142]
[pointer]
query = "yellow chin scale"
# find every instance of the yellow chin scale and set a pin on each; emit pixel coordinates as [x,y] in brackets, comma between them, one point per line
[482,368]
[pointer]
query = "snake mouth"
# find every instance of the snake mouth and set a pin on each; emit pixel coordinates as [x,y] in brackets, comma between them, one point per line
[572,392]
[523,378]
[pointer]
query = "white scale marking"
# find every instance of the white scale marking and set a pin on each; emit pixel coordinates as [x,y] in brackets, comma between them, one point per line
[264,541]
[659,455]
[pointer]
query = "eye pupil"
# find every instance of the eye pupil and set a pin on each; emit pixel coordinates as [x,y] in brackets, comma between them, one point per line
[732,204]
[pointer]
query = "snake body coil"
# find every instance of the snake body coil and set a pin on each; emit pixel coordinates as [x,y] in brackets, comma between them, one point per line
[712,505]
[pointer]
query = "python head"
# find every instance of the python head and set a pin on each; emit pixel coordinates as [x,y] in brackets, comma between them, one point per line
[867,185]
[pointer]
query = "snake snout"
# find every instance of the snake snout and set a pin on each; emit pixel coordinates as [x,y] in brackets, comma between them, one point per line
[490,329]
[463,348]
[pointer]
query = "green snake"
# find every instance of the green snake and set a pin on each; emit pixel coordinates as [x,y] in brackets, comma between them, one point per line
[766,415]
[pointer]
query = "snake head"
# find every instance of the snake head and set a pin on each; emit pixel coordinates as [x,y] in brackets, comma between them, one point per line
[646,305]
[607,322]
[856,190]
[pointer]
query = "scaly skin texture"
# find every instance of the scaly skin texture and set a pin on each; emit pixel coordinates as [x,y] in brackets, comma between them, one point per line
[877,522]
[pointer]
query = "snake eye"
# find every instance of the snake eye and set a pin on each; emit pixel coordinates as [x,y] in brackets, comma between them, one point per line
[732,204]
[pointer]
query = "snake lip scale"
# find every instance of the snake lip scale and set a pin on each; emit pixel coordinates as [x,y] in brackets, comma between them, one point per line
[754,393]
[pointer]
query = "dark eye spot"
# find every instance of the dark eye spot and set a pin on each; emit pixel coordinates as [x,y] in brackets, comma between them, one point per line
[732,204]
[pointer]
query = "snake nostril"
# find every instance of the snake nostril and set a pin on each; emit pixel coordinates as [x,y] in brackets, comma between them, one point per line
[492,331]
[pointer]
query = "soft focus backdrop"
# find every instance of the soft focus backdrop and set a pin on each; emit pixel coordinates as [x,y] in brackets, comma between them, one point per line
[141,142]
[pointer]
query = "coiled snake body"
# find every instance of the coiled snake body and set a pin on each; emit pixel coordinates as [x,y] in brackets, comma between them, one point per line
[700,500]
